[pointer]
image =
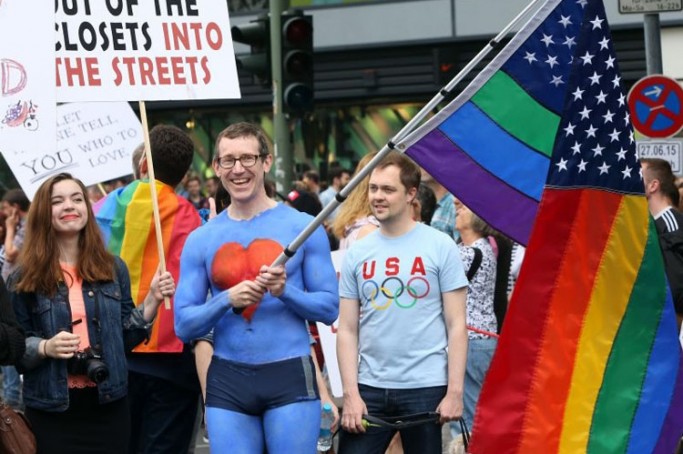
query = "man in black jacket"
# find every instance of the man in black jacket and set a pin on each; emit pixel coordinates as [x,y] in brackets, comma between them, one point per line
[662,196]
[11,336]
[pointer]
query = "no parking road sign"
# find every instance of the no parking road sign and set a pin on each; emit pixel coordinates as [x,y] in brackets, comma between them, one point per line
[656,104]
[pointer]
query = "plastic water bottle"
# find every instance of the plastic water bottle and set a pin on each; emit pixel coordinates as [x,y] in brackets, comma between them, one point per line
[325,437]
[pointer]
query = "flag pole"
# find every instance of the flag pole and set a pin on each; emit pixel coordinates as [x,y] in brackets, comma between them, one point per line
[155,199]
[291,249]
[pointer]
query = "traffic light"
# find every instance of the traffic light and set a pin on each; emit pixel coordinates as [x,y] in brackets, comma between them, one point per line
[255,34]
[297,63]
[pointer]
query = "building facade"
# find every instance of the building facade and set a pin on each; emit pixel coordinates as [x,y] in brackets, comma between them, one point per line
[378,62]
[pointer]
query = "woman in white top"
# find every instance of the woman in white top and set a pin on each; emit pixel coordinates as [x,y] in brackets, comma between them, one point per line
[479,261]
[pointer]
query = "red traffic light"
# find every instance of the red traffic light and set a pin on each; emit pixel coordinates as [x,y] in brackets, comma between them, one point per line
[297,63]
[297,31]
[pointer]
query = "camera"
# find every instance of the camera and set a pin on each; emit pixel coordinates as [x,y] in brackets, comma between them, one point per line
[89,363]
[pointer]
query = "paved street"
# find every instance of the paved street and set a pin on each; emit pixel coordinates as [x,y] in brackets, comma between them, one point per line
[201,447]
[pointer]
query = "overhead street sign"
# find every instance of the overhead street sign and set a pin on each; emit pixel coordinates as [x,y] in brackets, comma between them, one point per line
[649,6]
[669,150]
[656,105]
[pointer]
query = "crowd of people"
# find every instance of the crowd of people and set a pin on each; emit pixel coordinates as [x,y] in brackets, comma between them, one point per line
[107,350]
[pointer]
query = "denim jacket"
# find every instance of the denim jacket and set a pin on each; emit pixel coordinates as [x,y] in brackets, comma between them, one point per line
[122,327]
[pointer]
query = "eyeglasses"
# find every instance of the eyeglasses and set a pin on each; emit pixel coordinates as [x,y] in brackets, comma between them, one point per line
[247,160]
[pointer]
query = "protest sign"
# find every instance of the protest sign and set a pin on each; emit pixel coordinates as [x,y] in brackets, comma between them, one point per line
[100,137]
[328,338]
[95,142]
[116,50]
[27,95]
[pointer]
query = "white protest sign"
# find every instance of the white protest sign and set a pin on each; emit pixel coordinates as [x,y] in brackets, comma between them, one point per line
[328,338]
[100,138]
[95,142]
[27,80]
[117,50]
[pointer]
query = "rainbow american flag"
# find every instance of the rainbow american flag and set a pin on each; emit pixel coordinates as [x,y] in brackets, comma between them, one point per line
[589,359]
[513,105]
[126,220]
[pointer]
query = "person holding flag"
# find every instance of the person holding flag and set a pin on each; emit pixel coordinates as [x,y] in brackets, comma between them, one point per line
[164,389]
[261,381]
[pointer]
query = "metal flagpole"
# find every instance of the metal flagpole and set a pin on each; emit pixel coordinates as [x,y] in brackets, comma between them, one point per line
[291,249]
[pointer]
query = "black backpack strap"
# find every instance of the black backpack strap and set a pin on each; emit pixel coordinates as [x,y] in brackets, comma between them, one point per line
[503,280]
[476,263]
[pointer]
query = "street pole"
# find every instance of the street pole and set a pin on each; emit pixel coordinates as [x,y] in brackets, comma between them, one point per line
[653,44]
[283,155]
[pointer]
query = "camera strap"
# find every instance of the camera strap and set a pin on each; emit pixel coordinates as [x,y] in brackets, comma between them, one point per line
[97,321]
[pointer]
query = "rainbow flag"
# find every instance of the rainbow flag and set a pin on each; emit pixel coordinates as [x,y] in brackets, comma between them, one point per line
[514,105]
[589,358]
[126,220]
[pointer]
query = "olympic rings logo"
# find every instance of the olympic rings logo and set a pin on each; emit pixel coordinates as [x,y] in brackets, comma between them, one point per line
[393,288]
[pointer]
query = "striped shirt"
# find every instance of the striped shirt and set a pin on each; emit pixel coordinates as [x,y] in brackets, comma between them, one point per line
[667,219]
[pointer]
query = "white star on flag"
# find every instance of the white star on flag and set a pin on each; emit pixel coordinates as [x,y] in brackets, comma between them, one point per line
[598,150]
[608,116]
[614,136]
[557,80]
[582,166]
[585,113]
[576,148]
[569,129]
[604,168]
[590,132]
[595,78]
[562,165]
[601,97]
[597,22]
[615,81]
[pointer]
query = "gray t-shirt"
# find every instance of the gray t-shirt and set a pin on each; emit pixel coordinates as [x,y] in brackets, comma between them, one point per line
[399,282]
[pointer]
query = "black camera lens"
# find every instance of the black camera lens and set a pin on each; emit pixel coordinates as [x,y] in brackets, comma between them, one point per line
[89,363]
[97,371]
